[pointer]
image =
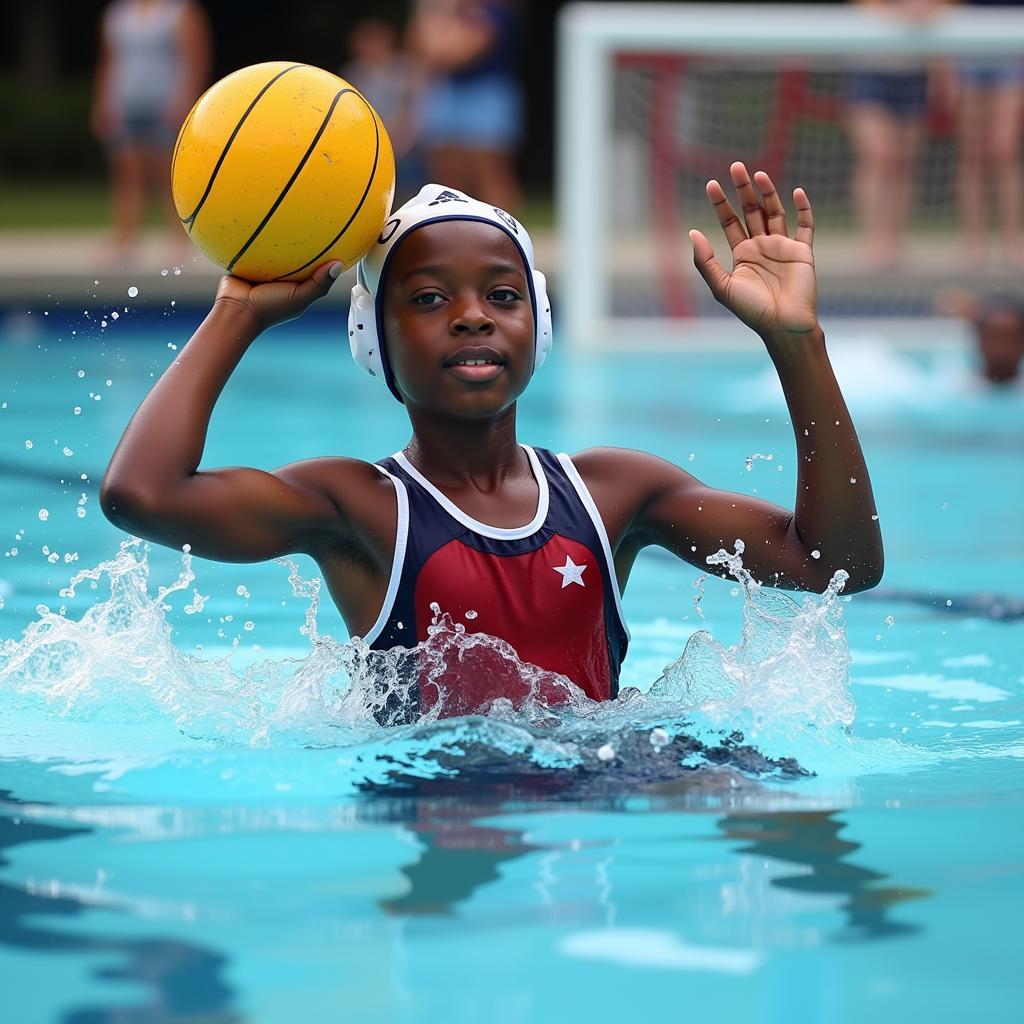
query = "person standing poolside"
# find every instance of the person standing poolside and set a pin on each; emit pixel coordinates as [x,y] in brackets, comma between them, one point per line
[472,111]
[154,62]
[519,543]
[886,104]
[989,100]
[392,83]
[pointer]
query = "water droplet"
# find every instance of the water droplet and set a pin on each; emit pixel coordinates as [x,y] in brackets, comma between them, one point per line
[815,553]
[81,374]
[249,625]
[471,614]
[890,620]
[172,346]
[114,314]
[606,752]
[77,410]
[28,444]
[241,591]
[132,292]
[750,459]
[874,519]
[43,515]
[659,738]
[949,604]
[853,479]
[103,323]
[68,452]
[53,557]
[80,512]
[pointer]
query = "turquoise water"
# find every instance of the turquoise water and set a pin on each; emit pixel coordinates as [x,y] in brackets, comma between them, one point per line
[199,820]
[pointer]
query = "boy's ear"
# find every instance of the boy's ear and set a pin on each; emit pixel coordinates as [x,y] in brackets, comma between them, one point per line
[957,302]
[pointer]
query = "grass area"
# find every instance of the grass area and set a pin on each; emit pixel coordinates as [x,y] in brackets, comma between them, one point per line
[58,205]
[85,204]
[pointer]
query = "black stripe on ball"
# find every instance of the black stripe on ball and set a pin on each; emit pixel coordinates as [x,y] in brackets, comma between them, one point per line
[362,198]
[291,181]
[190,220]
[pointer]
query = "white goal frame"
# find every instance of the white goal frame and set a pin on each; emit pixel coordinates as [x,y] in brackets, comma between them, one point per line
[589,37]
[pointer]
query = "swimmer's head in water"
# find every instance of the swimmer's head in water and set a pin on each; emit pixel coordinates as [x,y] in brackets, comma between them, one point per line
[467,239]
[1000,334]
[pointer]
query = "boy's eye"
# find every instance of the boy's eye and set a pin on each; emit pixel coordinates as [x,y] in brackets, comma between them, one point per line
[504,295]
[427,299]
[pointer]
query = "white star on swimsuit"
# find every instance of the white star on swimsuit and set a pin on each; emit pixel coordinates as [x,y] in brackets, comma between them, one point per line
[571,572]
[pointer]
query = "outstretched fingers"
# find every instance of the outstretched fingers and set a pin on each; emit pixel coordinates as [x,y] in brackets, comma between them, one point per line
[775,212]
[727,217]
[804,217]
[750,201]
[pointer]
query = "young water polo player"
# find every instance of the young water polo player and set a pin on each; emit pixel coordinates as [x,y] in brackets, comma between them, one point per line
[516,542]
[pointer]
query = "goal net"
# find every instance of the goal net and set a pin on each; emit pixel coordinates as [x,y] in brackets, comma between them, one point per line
[655,99]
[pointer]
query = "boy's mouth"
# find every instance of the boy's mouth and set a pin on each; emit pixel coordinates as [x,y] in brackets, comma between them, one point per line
[476,363]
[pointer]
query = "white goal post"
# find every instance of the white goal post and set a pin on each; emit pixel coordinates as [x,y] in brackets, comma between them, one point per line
[597,39]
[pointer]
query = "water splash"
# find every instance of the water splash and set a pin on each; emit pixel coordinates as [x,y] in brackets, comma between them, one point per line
[788,674]
[111,689]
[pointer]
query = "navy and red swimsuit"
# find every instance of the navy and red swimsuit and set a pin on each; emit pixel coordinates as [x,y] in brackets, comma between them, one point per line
[547,588]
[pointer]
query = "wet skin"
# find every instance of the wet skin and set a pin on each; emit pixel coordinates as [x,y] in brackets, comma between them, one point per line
[457,290]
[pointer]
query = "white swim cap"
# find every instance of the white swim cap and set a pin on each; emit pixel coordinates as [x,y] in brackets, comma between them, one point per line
[433,203]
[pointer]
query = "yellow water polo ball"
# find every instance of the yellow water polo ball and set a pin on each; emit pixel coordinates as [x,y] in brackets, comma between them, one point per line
[279,168]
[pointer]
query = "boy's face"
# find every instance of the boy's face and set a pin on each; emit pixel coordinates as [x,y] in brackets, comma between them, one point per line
[1001,343]
[456,293]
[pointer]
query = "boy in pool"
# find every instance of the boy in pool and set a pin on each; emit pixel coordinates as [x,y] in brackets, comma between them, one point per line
[514,542]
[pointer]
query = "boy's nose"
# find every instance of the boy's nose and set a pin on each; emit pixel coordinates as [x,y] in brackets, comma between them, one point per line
[472,318]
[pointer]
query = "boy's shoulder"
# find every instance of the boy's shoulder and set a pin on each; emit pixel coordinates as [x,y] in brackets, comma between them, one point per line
[625,466]
[345,481]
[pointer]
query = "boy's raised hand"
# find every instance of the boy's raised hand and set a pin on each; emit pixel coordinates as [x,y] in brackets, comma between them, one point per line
[772,286]
[278,301]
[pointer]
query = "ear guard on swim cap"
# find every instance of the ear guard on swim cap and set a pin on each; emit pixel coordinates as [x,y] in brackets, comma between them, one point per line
[433,203]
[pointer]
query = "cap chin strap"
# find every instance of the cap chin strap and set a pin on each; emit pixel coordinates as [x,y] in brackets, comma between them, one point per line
[365,341]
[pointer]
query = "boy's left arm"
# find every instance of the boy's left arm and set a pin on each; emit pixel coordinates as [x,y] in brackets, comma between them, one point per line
[833,526]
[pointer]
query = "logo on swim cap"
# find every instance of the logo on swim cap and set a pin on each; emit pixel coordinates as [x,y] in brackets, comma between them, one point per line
[507,218]
[447,196]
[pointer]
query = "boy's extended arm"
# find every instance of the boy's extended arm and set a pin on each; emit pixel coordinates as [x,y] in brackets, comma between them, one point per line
[153,487]
[834,526]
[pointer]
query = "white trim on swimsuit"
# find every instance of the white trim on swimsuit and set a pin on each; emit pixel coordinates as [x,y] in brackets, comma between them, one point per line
[588,503]
[398,561]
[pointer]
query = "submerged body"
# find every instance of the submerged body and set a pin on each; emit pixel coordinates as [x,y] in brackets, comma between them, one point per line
[458,319]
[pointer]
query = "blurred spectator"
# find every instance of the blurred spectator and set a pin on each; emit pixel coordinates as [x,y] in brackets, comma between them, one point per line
[392,82]
[989,95]
[472,111]
[154,62]
[886,104]
[998,326]
[999,329]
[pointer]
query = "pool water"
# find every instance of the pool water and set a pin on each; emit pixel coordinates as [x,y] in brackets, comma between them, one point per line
[813,814]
